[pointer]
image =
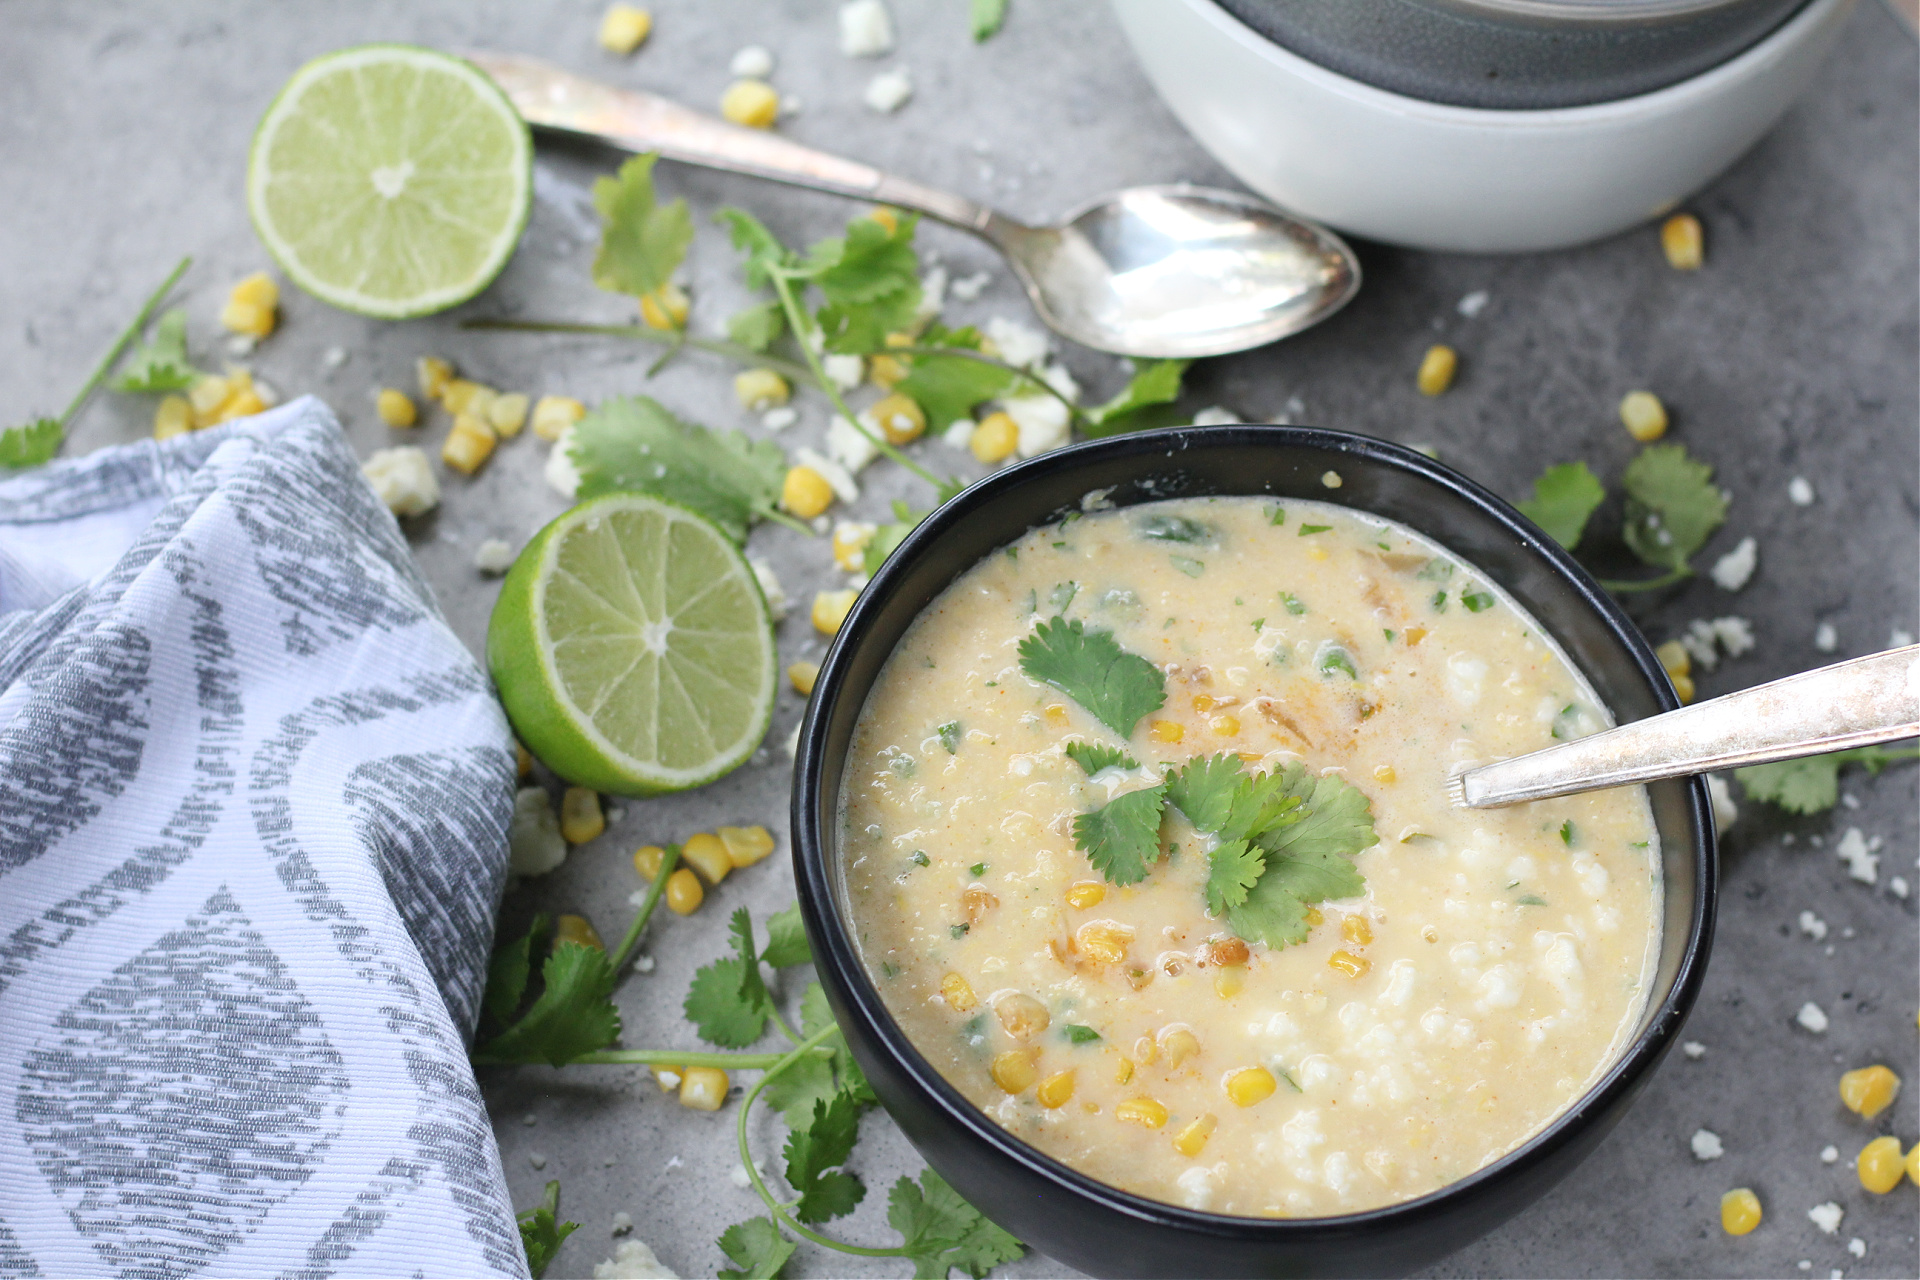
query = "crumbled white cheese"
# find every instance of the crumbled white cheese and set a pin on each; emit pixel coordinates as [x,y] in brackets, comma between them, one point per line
[1857,1247]
[1850,800]
[404,480]
[866,31]
[1898,639]
[495,555]
[850,446]
[633,1260]
[959,435]
[1697,640]
[1060,378]
[560,472]
[1829,1154]
[967,288]
[1812,1017]
[642,964]
[844,372]
[622,1223]
[1813,926]
[1805,1264]
[1827,1216]
[738,1177]
[1733,570]
[779,419]
[1898,886]
[529,1119]
[1694,1050]
[889,91]
[769,587]
[1042,420]
[1473,304]
[333,357]
[790,105]
[1020,345]
[241,344]
[1215,415]
[1706,1145]
[534,844]
[1735,635]
[833,473]
[755,62]
[268,393]
[537,1160]
[1799,492]
[1725,811]
[1825,638]
[933,293]
[1862,864]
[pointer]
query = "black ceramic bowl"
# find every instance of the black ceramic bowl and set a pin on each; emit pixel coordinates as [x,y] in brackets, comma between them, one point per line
[1058,1210]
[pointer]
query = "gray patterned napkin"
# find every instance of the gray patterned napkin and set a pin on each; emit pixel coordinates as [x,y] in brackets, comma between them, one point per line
[253,804]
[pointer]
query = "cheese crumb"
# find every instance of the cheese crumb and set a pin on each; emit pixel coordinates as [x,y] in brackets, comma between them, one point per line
[537,1160]
[1898,886]
[1473,304]
[754,62]
[1813,926]
[1898,639]
[1733,570]
[851,447]
[560,472]
[1706,1145]
[1020,345]
[404,479]
[1694,1049]
[1043,422]
[1811,1017]
[837,477]
[494,556]
[622,1223]
[534,843]
[1857,1247]
[967,288]
[1215,415]
[1825,638]
[889,91]
[1827,1216]
[1862,864]
[1799,492]
[866,31]
[1829,1154]
[769,587]
[959,435]
[780,419]
[633,1260]
[1725,811]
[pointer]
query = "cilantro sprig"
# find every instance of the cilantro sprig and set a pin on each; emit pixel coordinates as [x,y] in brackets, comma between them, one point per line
[1089,666]
[1672,509]
[1812,784]
[541,1230]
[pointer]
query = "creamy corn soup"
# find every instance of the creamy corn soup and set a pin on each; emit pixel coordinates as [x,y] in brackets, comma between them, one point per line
[1061,918]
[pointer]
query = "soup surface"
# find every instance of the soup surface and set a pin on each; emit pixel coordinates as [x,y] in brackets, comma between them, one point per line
[1234,949]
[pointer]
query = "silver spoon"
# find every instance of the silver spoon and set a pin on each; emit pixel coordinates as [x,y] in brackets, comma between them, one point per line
[1850,704]
[1148,271]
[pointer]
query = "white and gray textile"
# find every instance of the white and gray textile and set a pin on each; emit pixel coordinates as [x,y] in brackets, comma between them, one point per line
[253,805]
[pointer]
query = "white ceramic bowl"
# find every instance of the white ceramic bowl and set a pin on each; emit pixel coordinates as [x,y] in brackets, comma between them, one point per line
[1387,167]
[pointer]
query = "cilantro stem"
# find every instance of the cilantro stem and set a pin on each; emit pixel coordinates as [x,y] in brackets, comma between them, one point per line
[1025,376]
[652,900]
[681,1058]
[774,1206]
[713,346]
[127,335]
[1620,586]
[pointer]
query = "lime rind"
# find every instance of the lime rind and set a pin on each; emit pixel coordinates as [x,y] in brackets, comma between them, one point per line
[443,243]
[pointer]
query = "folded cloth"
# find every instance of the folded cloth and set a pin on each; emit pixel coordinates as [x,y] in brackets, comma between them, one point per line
[253,806]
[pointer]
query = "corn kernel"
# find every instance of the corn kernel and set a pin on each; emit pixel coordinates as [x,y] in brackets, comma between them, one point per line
[1056,713]
[850,539]
[1437,368]
[746,845]
[666,307]
[1168,731]
[206,395]
[1224,726]
[647,859]
[668,1077]
[1055,1090]
[624,27]
[1228,951]
[805,492]
[1644,417]
[830,609]
[1014,1071]
[1228,981]
[1739,1211]
[245,317]
[1879,1165]
[1021,1015]
[1193,1136]
[1147,1050]
[703,1088]
[1683,688]
[1144,1112]
[173,416]
[463,395]
[707,854]
[802,675]
[508,413]
[468,445]
[580,816]
[1414,636]
[243,403]
[1870,1090]
[1385,773]
[554,414]
[752,103]
[522,760]
[978,901]
[434,375]
[1356,929]
[887,372]
[1179,1045]
[760,389]
[958,993]
[1682,240]
[577,929]
[1086,893]
[258,289]
[395,408]
[1314,918]
[1103,941]
[994,438]
[1250,1085]
[901,419]
[886,217]
[1346,962]
[684,894]
[1674,658]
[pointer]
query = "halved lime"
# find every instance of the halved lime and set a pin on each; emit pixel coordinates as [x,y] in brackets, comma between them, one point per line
[633,649]
[390,180]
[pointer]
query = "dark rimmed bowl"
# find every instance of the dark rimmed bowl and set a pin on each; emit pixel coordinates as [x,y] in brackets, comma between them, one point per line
[1056,1209]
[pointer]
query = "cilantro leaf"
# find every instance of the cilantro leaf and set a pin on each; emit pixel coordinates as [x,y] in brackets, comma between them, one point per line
[1094,756]
[1306,855]
[948,388]
[160,364]
[1672,506]
[765,254]
[1275,909]
[30,443]
[1122,837]
[728,1002]
[1155,383]
[1563,498]
[988,15]
[757,1248]
[1812,783]
[816,1013]
[632,442]
[942,1231]
[756,327]
[508,971]
[572,1015]
[787,940]
[814,1155]
[643,242]
[950,736]
[1233,868]
[812,1079]
[871,281]
[1204,789]
[541,1231]
[1332,818]
[889,536]
[1090,667]
[1078,1033]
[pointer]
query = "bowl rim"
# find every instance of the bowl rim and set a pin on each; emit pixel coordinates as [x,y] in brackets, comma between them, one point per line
[813,880]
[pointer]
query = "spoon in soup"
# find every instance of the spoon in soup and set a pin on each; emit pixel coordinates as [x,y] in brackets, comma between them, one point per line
[1167,271]
[1849,704]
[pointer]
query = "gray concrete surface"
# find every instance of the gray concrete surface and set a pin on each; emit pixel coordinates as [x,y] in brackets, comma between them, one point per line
[1792,353]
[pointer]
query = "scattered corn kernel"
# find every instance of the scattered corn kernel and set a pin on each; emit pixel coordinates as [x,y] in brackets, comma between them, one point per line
[707,854]
[1021,1015]
[805,492]
[1103,941]
[1879,1165]
[206,395]
[666,1076]
[666,307]
[1251,1085]
[752,103]
[850,539]
[624,27]
[746,845]
[684,894]
[258,288]
[1193,1136]
[577,929]
[241,404]
[1437,368]
[830,609]
[994,438]
[1739,1211]
[886,217]
[1179,1045]
[1056,713]
[1643,415]
[1682,240]
[978,900]
[172,417]
[522,760]
[1356,929]
[646,860]
[433,374]
[463,395]
[1141,1111]
[802,675]
[580,816]
[1385,773]
[1227,951]
[901,419]
[468,445]
[554,414]
[1683,688]
[1348,963]
[760,389]
[1168,731]
[1055,1090]
[395,408]
[1086,893]
[1014,1071]
[1123,1072]
[508,413]
[1679,667]
[1870,1090]
[1228,980]
[703,1088]
[958,993]
[1224,726]
[885,371]
[1314,918]
[250,306]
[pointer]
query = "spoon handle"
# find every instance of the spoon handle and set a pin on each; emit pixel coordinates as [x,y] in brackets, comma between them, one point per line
[550,98]
[1850,704]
